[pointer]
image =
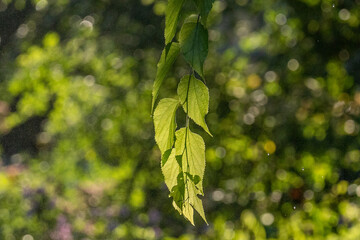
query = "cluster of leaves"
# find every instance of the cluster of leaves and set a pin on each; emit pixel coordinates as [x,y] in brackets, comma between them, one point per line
[183,151]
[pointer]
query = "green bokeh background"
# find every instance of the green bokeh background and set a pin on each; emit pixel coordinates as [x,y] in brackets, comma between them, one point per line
[78,156]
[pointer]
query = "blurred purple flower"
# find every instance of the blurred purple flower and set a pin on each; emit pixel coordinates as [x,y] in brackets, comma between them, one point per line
[62,230]
[154,216]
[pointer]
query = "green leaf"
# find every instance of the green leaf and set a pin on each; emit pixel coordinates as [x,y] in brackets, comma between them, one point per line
[171,170]
[165,125]
[197,204]
[188,211]
[194,200]
[194,97]
[167,59]
[171,18]
[204,7]
[184,178]
[191,147]
[194,43]
[177,192]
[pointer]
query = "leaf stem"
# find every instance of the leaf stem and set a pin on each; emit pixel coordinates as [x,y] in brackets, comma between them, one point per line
[186,135]
[188,125]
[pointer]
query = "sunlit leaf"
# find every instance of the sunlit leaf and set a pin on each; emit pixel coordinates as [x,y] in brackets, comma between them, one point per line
[190,148]
[171,18]
[177,192]
[171,170]
[167,59]
[165,125]
[194,97]
[183,172]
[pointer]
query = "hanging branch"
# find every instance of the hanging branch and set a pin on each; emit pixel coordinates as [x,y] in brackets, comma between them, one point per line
[182,151]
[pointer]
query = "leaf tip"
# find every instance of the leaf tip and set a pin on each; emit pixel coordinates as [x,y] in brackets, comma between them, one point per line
[205,127]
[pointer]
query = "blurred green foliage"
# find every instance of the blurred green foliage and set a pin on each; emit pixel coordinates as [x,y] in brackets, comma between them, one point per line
[78,159]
